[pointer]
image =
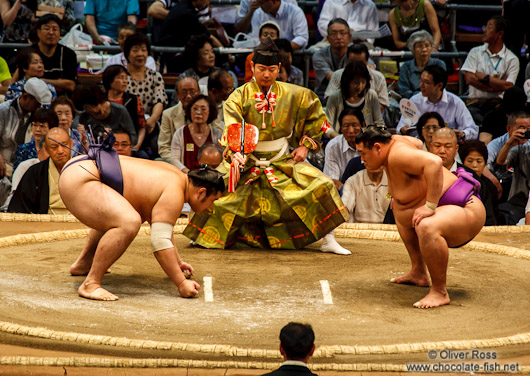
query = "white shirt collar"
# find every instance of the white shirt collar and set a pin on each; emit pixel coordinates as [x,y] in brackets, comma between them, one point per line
[454,166]
[344,144]
[294,363]
[502,53]
[444,98]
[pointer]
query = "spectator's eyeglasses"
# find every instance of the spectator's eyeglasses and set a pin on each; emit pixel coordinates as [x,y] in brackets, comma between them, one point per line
[48,29]
[335,34]
[121,144]
[191,92]
[431,128]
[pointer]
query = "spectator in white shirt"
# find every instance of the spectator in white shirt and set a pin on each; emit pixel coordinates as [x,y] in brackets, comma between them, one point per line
[290,18]
[246,11]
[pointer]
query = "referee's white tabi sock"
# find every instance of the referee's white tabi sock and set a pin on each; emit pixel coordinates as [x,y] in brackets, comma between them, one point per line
[329,244]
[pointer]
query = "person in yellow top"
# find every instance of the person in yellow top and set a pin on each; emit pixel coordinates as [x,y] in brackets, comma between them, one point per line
[280,201]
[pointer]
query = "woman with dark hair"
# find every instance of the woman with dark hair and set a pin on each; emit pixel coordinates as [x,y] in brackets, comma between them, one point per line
[199,52]
[17,16]
[474,155]
[41,121]
[65,110]
[148,85]
[115,83]
[29,64]
[188,139]
[428,123]
[354,92]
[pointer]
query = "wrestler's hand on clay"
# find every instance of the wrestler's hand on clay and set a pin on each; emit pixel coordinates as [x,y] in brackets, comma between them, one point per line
[419,214]
[188,288]
[238,157]
[300,153]
[187,269]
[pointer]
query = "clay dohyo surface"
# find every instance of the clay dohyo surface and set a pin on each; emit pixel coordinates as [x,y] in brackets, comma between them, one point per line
[256,292]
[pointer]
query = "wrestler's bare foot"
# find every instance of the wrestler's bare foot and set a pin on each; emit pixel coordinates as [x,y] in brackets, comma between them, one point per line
[96,292]
[411,278]
[433,299]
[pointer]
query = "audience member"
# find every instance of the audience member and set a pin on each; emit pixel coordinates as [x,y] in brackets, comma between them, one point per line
[355,92]
[65,110]
[5,76]
[124,30]
[15,118]
[174,117]
[60,62]
[210,154]
[434,97]
[268,29]
[354,166]
[359,14]
[410,16]
[122,145]
[115,83]
[29,64]
[101,114]
[17,16]
[297,345]
[102,18]
[159,10]
[182,22]
[340,150]
[359,52]
[496,120]
[328,59]
[428,123]
[38,190]
[246,11]
[220,86]
[489,70]
[187,140]
[148,85]
[41,121]
[474,154]
[365,194]
[445,145]
[420,44]
[289,17]
[295,75]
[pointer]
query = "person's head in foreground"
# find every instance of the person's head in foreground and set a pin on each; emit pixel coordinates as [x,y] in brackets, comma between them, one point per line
[429,123]
[518,121]
[210,155]
[297,342]
[474,155]
[206,186]
[58,143]
[445,145]
[370,143]
[266,63]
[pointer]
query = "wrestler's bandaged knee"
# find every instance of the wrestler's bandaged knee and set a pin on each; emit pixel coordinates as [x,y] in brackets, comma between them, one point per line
[161,236]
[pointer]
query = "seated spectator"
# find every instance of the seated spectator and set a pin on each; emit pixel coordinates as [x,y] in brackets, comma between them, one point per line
[17,17]
[123,145]
[188,139]
[295,75]
[340,150]
[445,145]
[14,121]
[210,154]
[148,85]
[355,92]
[435,98]
[354,166]
[333,57]
[220,86]
[29,64]
[359,14]
[41,121]
[268,29]
[65,110]
[495,122]
[474,154]
[38,190]
[174,117]
[158,10]
[514,154]
[5,76]
[410,16]
[428,123]
[124,30]
[102,18]
[246,11]
[289,17]
[101,114]
[489,70]
[420,44]
[365,194]
[199,53]
[60,62]
[359,52]
[115,84]
[297,345]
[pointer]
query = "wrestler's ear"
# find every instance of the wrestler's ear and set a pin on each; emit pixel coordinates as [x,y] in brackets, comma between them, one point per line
[202,194]
[252,67]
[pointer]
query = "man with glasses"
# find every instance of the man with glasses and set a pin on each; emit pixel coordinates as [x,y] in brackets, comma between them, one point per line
[433,97]
[60,62]
[174,117]
[220,86]
[333,57]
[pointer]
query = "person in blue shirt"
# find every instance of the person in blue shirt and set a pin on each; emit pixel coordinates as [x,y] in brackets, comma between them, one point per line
[104,16]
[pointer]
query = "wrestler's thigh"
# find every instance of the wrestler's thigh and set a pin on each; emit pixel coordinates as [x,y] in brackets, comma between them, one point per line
[95,204]
[456,224]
